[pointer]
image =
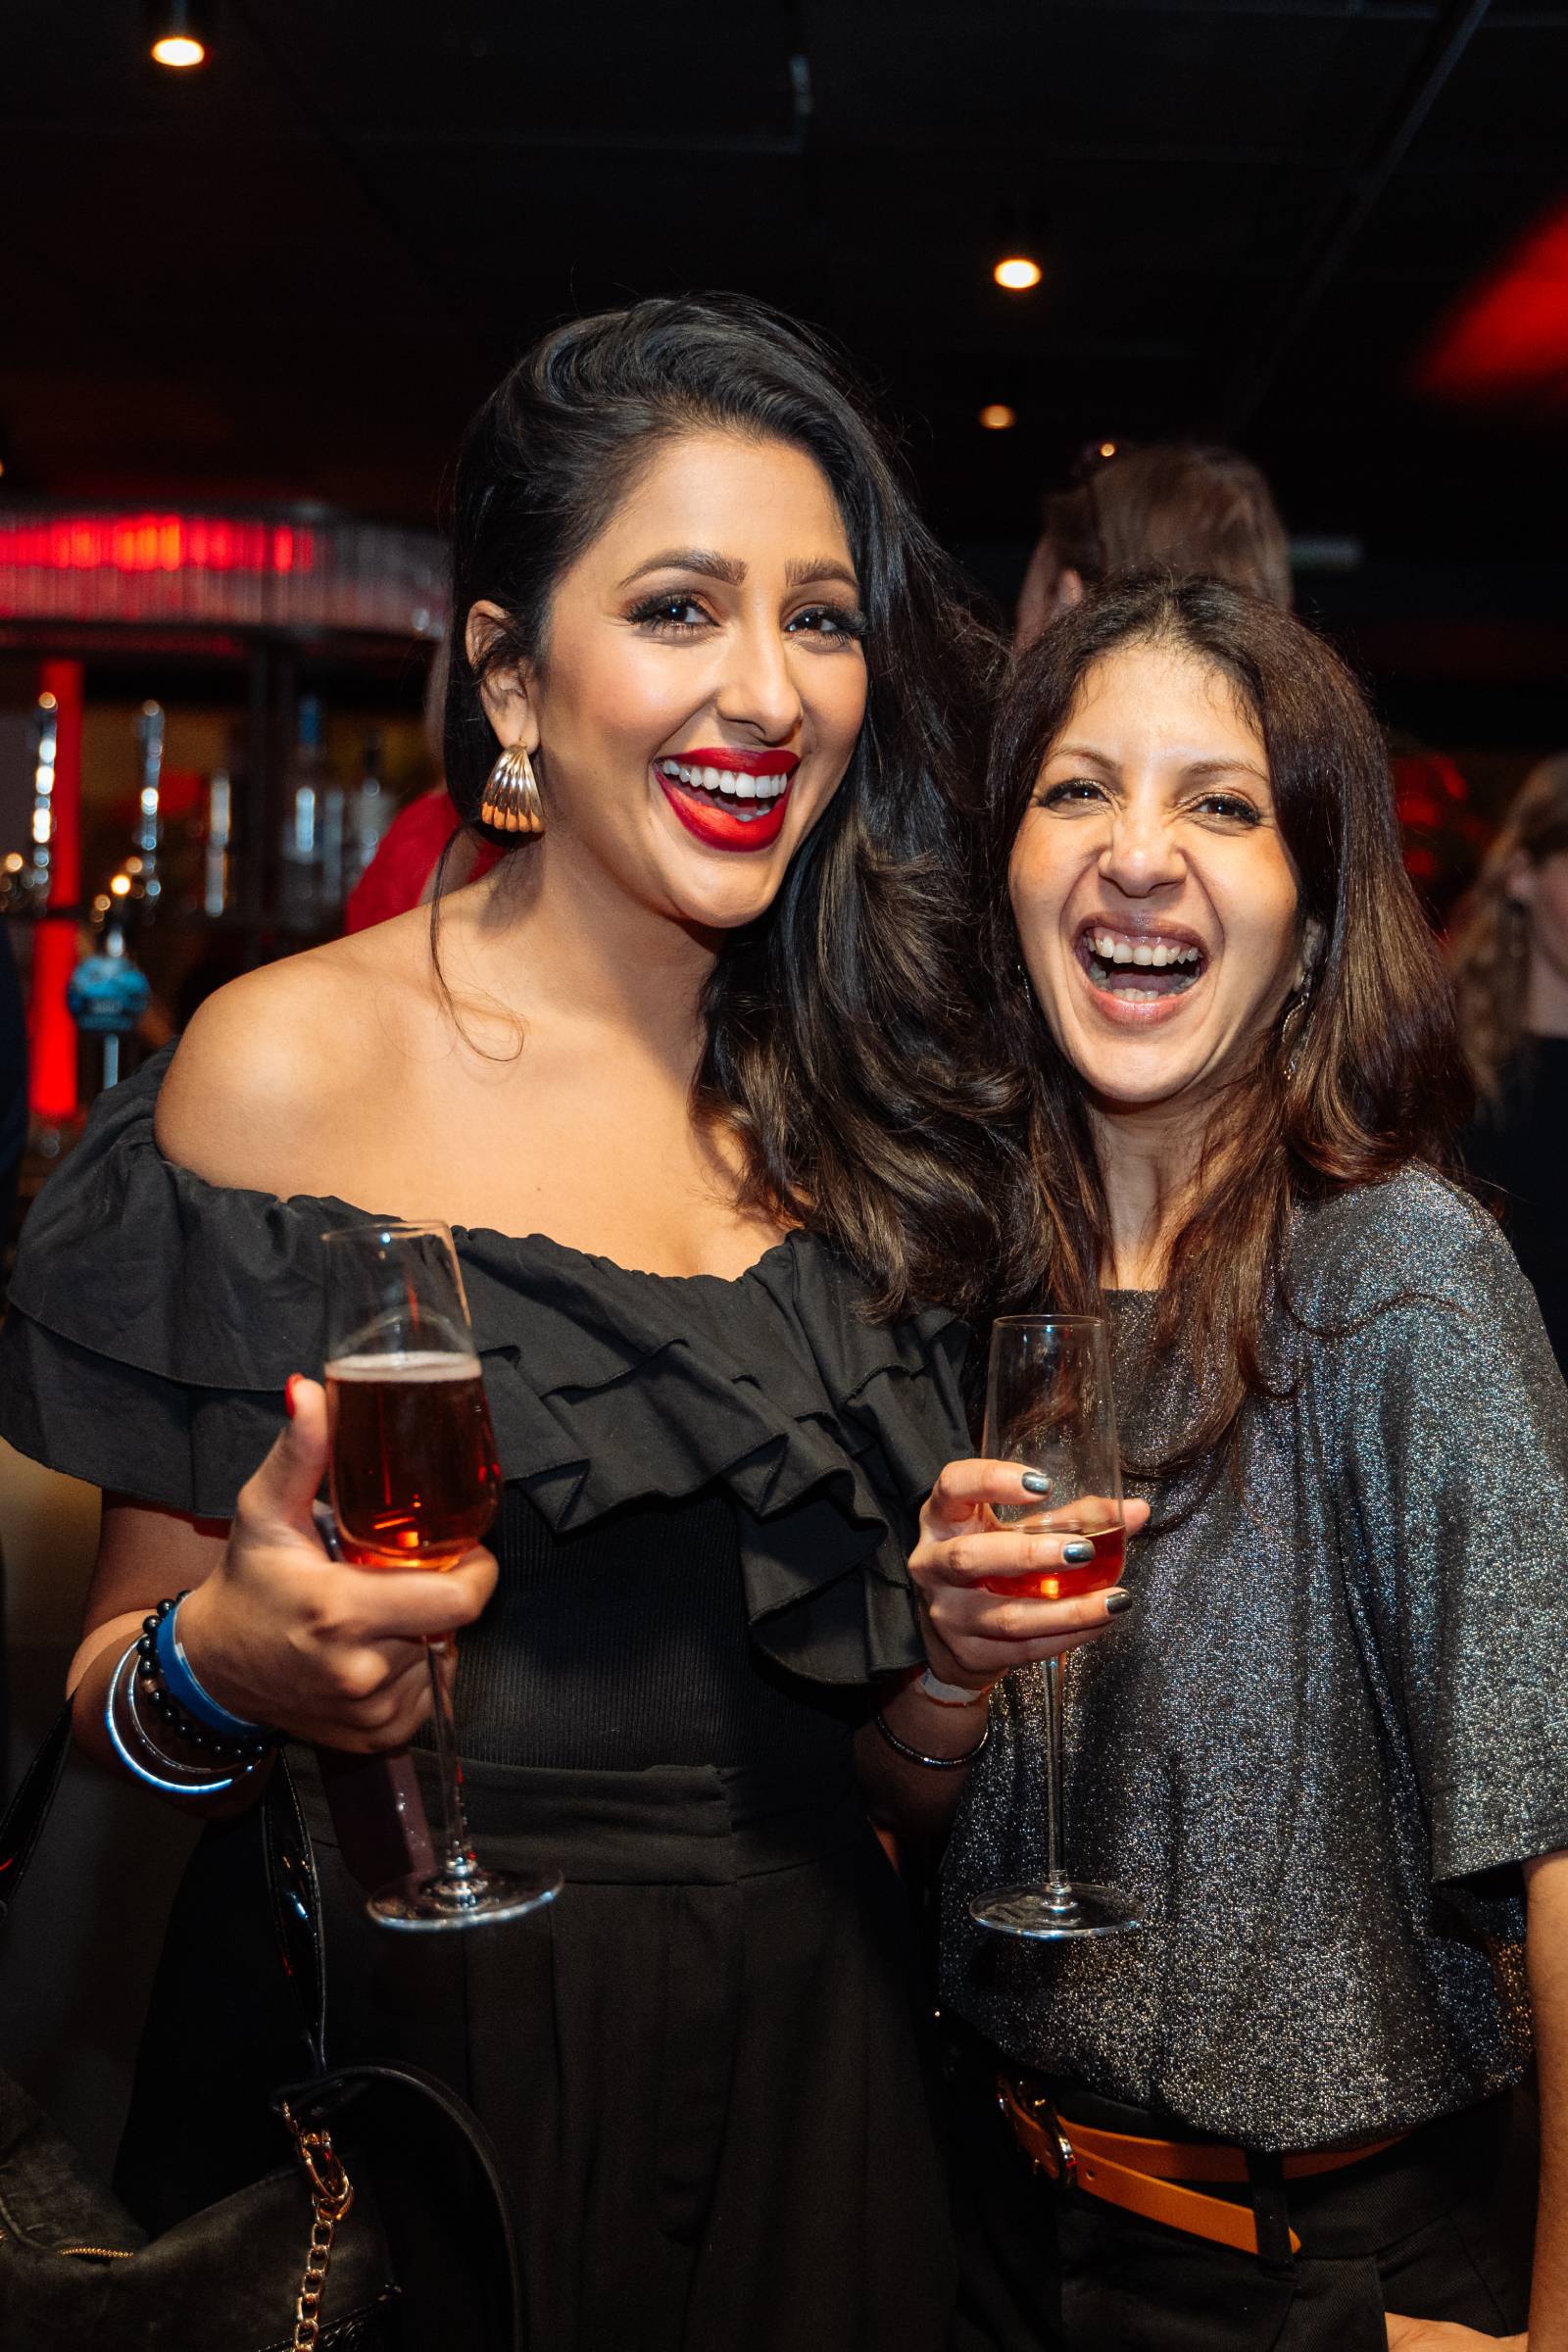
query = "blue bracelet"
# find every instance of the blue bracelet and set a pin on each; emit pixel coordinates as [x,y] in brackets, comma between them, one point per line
[193,1781]
[179,1680]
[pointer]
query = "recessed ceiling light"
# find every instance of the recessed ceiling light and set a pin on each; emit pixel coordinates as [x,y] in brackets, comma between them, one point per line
[1017,272]
[177,32]
[1107,449]
[997,416]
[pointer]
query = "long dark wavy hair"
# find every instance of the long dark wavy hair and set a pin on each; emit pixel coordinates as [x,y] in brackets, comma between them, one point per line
[1360,1074]
[841,1031]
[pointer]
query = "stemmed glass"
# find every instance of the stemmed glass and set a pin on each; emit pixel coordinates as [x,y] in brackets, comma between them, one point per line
[415,1484]
[1050,1407]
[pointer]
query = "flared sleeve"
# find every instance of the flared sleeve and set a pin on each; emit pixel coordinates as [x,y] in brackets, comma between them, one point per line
[1453,1438]
[156,1318]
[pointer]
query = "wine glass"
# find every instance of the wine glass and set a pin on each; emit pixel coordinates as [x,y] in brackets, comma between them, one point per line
[1050,1407]
[415,1484]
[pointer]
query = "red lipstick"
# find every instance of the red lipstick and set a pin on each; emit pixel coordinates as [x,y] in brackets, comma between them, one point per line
[713,815]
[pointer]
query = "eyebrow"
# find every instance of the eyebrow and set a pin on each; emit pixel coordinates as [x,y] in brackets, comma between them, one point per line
[1193,770]
[821,567]
[714,566]
[690,558]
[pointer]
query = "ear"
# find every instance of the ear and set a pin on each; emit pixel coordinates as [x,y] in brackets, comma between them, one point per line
[1312,938]
[508,691]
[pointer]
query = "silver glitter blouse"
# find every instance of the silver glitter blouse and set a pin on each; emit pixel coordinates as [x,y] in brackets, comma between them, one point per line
[1333,1725]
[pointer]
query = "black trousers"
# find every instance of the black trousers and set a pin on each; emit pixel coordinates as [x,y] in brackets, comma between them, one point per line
[1439,2227]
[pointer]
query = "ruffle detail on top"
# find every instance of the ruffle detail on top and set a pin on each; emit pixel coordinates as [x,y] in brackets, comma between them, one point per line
[156,1317]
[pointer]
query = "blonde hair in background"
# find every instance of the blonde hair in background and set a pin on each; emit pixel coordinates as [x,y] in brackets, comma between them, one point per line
[1491,948]
[1183,505]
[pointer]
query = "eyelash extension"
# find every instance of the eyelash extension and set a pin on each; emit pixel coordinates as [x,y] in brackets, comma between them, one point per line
[845,622]
[654,612]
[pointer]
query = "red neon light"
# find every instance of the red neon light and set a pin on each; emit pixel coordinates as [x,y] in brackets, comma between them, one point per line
[1508,339]
[52,1033]
[141,543]
[52,1059]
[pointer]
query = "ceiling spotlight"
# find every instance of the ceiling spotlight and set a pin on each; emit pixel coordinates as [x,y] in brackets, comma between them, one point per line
[1017,272]
[1107,449]
[997,416]
[178,31]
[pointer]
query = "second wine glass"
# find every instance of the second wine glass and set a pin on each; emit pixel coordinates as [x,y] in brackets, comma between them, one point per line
[415,1484]
[1049,1408]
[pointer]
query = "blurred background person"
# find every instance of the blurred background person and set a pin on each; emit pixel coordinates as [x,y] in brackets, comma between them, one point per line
[408,868]
[1510,963]
[1190,506]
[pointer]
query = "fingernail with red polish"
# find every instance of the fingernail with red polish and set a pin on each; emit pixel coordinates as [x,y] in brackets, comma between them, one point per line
[289,1388]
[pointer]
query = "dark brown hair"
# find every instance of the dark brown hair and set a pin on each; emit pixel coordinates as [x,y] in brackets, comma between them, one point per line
[1179,506]
[841,1031]
[1357,1079]
[1491,948]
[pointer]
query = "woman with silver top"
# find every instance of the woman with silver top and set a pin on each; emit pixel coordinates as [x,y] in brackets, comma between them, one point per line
[1326,1752]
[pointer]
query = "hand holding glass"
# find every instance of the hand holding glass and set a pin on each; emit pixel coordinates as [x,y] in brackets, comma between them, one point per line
[415,1484]
[1049,1408]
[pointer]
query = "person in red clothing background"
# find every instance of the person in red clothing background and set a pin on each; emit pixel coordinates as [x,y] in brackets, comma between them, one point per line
[404,871]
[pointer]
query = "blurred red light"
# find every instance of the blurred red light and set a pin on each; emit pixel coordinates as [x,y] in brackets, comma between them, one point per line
[1507,341]
[136,543]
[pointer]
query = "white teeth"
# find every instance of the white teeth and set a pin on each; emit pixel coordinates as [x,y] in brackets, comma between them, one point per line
[733,785]
[1158,952]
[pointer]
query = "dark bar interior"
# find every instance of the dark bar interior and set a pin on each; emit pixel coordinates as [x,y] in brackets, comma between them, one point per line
[1118,885]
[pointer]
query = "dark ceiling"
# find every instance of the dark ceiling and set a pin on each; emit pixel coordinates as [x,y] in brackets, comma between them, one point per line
[292,273]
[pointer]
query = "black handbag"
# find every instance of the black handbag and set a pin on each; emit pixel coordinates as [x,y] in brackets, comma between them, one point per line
[384,2227]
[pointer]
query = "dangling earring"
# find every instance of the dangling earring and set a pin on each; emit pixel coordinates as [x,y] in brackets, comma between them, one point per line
[511,802]
[1300,1013]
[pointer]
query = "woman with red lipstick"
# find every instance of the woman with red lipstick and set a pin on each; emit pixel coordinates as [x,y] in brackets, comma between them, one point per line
[1325,1756]
[690,1074]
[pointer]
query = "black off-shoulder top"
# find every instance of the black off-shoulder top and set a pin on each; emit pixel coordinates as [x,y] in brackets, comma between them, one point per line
[711,1486]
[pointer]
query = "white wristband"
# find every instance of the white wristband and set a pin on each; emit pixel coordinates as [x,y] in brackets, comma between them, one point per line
[950,1694]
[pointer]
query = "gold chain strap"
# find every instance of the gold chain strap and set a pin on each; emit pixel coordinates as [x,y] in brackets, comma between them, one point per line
[332,2195]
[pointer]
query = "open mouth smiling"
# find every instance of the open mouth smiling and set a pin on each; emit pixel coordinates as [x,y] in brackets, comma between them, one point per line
[1140,967]
[730,800]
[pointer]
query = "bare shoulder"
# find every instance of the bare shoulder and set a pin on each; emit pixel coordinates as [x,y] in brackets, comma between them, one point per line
[270,1060]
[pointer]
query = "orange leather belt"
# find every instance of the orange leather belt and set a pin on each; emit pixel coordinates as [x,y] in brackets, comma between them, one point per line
[1145,2175]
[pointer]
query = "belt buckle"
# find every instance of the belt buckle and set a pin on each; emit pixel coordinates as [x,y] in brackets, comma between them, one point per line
[1037,2106]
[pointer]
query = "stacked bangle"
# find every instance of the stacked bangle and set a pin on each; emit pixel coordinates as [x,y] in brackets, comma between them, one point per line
[146,1759]
[165,1680]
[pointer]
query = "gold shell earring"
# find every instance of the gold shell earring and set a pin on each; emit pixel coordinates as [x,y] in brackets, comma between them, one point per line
[511,802]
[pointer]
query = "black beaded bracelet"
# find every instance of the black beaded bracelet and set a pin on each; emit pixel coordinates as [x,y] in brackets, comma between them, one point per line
[184,1724]
[914,1755]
